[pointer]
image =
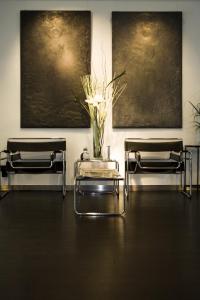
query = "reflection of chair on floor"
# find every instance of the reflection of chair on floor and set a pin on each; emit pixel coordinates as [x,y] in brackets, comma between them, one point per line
[161,156]
[37,156]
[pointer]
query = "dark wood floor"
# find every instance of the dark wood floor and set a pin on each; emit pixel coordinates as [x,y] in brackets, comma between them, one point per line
[46,253]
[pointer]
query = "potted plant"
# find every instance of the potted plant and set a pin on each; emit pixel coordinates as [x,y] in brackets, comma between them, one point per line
[196,114]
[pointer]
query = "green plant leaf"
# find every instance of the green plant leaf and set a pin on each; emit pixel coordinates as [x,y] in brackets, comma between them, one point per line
[196,108]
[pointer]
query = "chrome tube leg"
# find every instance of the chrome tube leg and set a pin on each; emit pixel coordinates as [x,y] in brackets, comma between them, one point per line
[127,175]
[189,158]
[75,191]
[190,168]
[63,174]
[118,187]
[182,185]
[0,183]
[9,182]
[126,179]
[128,184]
[181,181]
[124,198]
[197,168]
[0,171]
[2,193]
[185,173]
[78,187]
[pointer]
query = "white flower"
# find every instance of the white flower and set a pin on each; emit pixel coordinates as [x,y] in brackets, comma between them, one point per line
[96,100]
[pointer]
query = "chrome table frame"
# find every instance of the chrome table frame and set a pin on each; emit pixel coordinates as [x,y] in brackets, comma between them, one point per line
[115,188]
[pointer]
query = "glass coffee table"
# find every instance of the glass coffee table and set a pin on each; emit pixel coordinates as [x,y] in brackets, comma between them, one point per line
[95,172]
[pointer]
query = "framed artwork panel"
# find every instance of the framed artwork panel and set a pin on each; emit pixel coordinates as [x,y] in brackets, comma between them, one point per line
[148,45]
[55,52]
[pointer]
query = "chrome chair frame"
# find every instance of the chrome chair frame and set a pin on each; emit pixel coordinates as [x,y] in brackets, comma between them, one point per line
[15,151]
[183,155]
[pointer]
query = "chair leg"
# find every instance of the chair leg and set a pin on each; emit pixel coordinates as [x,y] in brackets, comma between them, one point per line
[9,181]
[2,193]
[63,186]
[63,175]
[127,187]
[188,194]
[190,170]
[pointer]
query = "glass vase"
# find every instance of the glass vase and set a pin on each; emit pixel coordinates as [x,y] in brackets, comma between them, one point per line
[98,135]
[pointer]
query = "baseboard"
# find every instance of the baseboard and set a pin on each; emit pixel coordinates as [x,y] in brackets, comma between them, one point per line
[154,187]
[94,187]
[38,187]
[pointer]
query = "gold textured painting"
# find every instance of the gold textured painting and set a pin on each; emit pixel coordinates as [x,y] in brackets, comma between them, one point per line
[55,52]
[148,45]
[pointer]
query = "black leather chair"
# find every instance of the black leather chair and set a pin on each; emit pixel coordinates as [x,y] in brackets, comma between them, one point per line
[159,156]
[37,156]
